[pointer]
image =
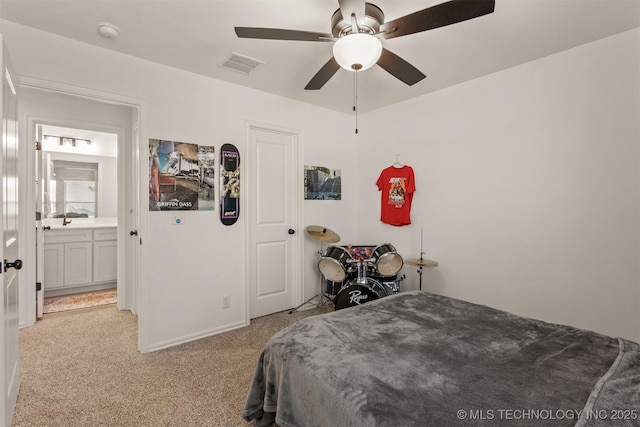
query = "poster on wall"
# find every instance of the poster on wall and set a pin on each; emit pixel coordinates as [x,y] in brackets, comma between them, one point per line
[322,183]
[206,183]
[174,175]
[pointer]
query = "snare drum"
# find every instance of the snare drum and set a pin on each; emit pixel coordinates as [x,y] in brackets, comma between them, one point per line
[387,261]
[359,293]
[334,265]
[331,289]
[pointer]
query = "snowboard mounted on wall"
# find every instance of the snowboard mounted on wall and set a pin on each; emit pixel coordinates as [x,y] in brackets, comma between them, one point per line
[229,184]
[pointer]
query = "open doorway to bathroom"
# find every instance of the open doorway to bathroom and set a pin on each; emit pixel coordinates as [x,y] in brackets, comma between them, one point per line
[76,218]
[69,121]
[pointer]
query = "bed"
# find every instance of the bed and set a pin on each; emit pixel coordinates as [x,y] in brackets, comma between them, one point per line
[419,359]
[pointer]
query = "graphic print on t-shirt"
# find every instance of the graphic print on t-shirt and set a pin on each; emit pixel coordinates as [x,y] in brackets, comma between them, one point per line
[397,190]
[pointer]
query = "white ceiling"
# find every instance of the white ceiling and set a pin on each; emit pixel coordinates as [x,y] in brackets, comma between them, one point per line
[198,36]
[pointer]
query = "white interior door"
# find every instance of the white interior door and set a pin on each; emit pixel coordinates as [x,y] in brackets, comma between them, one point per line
[274,258]
[9,248]
[27,317]
[131,242]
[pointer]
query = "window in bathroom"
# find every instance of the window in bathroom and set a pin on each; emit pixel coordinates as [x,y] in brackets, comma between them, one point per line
[73,186]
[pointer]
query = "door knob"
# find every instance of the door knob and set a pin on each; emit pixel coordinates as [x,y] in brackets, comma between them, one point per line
[291,231]
[133,233]
[17,264]
[46,227]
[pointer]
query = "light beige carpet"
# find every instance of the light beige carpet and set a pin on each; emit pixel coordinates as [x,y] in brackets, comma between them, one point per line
[82,368]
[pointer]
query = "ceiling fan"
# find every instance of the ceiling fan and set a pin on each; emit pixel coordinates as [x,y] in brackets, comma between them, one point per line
[358,26]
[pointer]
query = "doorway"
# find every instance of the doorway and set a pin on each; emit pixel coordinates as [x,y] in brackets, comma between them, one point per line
[53,104]
[76,217]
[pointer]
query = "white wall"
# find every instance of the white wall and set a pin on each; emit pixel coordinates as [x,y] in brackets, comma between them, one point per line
[527,186]
[192,266]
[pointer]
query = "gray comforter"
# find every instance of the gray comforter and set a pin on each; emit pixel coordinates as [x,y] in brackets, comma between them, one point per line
[418,359]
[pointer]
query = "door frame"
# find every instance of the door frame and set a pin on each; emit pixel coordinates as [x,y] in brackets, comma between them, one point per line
[140,146]
[298,200]
[31,235]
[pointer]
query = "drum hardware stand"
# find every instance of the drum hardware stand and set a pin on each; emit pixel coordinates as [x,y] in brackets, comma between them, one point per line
[322,234]
[421,262]
[421,253]
[322,302]
[362,273]
[420,269]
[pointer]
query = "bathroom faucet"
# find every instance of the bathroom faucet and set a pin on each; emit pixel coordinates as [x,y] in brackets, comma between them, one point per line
[65,221]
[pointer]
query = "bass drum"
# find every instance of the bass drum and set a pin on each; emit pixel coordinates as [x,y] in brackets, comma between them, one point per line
[359,293]
[387,261]
[334,265]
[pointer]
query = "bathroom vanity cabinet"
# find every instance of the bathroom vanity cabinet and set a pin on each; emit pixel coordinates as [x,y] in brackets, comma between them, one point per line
[79,257]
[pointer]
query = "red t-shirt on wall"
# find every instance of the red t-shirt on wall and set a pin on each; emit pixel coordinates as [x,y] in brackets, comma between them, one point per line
[397,186]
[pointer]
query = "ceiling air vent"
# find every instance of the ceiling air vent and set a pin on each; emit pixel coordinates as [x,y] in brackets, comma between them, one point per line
[242,64]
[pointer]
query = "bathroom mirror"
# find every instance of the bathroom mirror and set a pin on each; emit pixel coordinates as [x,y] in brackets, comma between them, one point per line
[78,170]
[72,189]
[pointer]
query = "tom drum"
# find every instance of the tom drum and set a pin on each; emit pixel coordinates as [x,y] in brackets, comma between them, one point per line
[387,261]
[334,265]
[331,289]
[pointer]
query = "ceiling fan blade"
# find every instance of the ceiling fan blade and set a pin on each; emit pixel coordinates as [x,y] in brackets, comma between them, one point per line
[347,7]
[280,34]
[326,72]
[399,68]
[437,16]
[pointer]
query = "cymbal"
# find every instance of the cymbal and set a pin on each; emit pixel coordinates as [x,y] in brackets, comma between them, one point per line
[423,262]
[323,234]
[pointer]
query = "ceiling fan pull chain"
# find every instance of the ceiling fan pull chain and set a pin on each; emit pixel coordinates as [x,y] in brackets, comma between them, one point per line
[355,97]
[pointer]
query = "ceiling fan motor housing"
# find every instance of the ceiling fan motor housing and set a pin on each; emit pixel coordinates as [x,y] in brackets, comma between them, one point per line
[372,20]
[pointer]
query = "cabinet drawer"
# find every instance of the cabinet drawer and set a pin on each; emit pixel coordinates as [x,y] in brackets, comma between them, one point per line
[67,236]
[105,234]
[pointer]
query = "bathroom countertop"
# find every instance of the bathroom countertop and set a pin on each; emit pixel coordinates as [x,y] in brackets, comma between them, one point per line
[56,223]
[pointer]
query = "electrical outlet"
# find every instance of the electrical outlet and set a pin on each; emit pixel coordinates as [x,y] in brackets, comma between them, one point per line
[226,301]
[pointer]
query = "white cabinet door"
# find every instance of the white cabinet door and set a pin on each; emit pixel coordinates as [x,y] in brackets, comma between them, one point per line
[78,263]
[53,266]
[105,258]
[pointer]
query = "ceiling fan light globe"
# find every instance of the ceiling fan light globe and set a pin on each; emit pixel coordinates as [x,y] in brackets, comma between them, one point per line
[357,52]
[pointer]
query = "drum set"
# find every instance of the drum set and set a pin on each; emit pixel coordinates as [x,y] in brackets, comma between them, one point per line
[354,275]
